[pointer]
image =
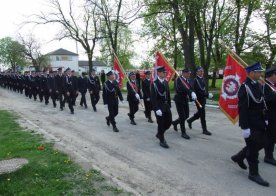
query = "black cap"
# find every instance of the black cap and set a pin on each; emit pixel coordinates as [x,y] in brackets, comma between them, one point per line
[59,69]
[109,73]
[161,69]
[93,69]
[51,71]
[83,73]
[68,69]
[199,68]
[254,67]
[186,70]
[147,72]
[131,74]
[270,71]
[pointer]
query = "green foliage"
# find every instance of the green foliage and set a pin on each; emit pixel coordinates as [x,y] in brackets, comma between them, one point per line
[12,53]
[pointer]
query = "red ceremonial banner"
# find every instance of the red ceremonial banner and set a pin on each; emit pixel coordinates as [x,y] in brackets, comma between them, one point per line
[119,73]
[233,77]
[162,61]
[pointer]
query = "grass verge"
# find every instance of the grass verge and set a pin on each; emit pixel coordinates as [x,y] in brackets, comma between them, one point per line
[49,172]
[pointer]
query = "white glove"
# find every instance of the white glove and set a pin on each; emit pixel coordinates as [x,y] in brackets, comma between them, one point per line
[105,106]
[210,95]
[246,133]
[137,96]
[148,99]
[122,102]
[159,113]
[193,96]
[266,122]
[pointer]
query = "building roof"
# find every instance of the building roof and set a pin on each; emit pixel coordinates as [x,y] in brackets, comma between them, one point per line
[62,51]
[95,63]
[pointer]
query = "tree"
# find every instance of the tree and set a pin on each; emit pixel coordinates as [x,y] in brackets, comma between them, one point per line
[82,27]
[33,53]
[12,53]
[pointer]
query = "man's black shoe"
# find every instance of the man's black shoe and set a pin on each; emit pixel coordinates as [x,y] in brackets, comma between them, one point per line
[189,124]
[107,121]
[72,112]
[205,132]
[164,144]
[150,120]
[174,126]
[115,129]
[258,179]
[239,162]
[184,135]
[271,161]
[133,122]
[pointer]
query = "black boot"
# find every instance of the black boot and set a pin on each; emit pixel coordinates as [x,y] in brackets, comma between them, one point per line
[184,134]
[115,129]
[107,121]
[164,144]
[255,176]
[132,122]
[174,123]
[206,132]
[237,159]
[189,121]
[150,120]
[270,160]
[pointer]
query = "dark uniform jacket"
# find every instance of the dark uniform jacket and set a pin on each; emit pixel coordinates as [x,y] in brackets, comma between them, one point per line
[146,88]
[200,90]
[69,84]
[51,83]
[270,98]
[183,89]
[111,92]
[59,83]
[160,96]
[44,83]
[94,84]
[82,84]
[251,112]
[133,87]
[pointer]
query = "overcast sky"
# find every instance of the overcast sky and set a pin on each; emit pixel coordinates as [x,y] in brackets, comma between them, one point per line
[14,12]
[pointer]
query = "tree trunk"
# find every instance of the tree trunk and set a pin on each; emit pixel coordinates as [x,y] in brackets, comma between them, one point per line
[214,79]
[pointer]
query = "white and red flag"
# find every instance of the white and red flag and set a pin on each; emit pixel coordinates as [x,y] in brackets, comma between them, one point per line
[233,77]
[160,60]
[118,71]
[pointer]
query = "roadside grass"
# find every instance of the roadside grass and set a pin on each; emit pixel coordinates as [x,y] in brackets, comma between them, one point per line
[49,171]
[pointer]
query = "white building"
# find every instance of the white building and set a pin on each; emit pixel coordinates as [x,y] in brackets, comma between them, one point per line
[64,59]
[97,65]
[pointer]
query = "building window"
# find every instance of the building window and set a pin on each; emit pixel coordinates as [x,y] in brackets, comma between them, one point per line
[57,58]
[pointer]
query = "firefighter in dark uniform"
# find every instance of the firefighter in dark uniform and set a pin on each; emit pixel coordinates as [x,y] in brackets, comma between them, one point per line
[59,80]
[52,87]
[94,87]
[146,96]
[111,93]
[75,82]
[183,93]
[26,84]
[133,96]
[70,89]
[270,98]
[83,85]
[201,93]
[251,107]
[32,85]
[44,87]
[161,103]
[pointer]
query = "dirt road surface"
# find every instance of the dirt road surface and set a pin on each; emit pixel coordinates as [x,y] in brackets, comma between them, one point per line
[133,158]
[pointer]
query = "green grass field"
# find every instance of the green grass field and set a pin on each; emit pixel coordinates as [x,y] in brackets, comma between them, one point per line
[49,172]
